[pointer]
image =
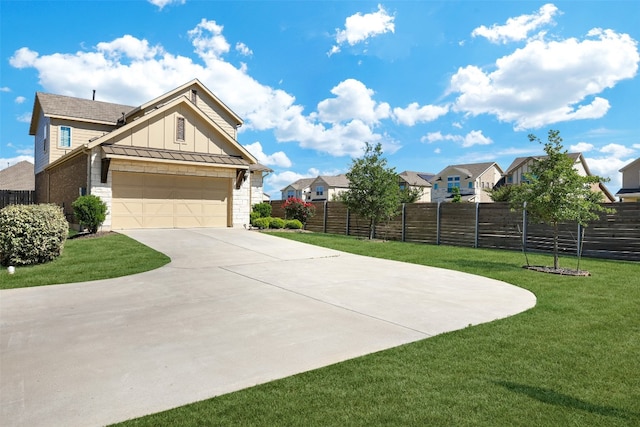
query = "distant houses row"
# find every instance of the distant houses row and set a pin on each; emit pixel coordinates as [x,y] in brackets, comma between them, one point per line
[472,180]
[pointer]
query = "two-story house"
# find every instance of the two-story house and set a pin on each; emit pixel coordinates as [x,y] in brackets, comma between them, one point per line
[172,162]
[299,189]
[472,179]
[515,173]
[630,191]
[326,187]
[417,181]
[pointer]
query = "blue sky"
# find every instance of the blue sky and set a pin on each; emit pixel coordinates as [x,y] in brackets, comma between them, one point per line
[436,83]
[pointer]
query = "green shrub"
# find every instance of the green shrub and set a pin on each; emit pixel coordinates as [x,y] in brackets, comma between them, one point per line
[31,234]
[262,222]
[293,224]
[90,211]
[264,209]
[253,216]
[276,223]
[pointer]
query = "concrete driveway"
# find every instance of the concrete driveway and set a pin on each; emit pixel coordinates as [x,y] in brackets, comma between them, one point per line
[233,309]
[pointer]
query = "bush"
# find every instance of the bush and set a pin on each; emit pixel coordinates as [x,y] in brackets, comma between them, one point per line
[295,208]
[31,234]
[276,223]
[262,222]
[90,211]
[293,224]
[264,209]
[252,218]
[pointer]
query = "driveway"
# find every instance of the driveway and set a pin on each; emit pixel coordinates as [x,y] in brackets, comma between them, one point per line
[233,309]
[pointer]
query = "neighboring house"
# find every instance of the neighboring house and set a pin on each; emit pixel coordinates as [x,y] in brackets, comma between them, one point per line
[472,179]
[417,180]
[328,187]
[630,191]
[172,162]
[514,174]
[18,177]
[300,189]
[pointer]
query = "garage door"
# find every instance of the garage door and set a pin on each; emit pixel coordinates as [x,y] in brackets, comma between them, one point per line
[142,200]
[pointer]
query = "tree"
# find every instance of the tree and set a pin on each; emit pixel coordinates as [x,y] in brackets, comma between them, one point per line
[90,211]
[410,195]
[501,194]
[373,188]
[457,198]
[555,192]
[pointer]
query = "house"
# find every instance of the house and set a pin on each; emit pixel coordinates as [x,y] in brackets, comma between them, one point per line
[328,187]
[630,191]
[18,177]
[172,162]
[514,174]
[472,179]
[300,189]
[419,181]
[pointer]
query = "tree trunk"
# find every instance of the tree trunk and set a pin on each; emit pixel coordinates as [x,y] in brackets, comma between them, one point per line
[555,245]
[372,229]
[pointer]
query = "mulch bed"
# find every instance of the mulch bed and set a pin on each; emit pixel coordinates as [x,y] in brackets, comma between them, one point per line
[87,235]
[561,271]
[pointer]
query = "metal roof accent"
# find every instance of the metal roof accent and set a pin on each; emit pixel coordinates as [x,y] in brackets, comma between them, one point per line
[152,153]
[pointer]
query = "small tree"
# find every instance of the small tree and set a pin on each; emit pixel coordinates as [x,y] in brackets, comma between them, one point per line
[501,194]
[90,211]
[457,198]
[555,192]
[373,188]
[295,208]
[410,195]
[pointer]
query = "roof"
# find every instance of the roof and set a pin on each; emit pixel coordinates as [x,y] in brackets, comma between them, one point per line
[419,179]
[78,108]
[18,177]
[469,170]
[636,162]
[258,167]
[518,161]
[152,153]
[300,184]
[624,191]
[339,181]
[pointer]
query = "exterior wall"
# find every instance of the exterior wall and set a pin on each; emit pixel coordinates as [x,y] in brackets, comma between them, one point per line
[487,179]
[97,188]
[66,182]
[241,204]
[516,174]
[42,187]
[81,133]
[334,192]
[257,189]
[212,109]
[484,182]
[41,144]
[631,176]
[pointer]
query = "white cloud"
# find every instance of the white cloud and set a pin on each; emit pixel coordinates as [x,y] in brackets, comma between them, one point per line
[549,82]
[208,40]
[129,47]
[5,89]
[475,137]
[162,3]
[243,49]
[278,158]
[20,99]
[359,28]
[352,102]
[24,118]
[636,146]
[617,150]
[517,28]
[581,147]
[414,113]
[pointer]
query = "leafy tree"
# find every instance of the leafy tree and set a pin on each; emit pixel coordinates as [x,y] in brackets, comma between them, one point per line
[373,188]
[457,198]
[410,195]
[501,194]
[555,192]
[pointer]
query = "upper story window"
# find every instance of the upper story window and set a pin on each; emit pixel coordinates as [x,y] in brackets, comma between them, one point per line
[65,137]
[44,138]
[453,181]
[290,193]
[470,184]
[319,190]
[435,186]
[194,96]
[180,129]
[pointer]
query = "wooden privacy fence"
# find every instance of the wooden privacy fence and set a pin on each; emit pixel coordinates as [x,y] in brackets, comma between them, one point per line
[16,197]
[487,225]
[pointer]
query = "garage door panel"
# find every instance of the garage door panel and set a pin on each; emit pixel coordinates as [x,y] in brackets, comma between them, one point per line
[168,201]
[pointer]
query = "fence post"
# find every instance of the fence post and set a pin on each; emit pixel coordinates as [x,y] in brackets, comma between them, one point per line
[324,219]
[348,220]
[404,213]
[477,231]
[524,226]
[438,224]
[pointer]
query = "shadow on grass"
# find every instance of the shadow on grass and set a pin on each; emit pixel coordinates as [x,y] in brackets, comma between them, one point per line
[552,397]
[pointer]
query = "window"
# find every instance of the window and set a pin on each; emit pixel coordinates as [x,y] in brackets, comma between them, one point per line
[452,181]
[470,184]
[194,96]
[319,190]
[180,129]
[65,137]
[435,186]
[290,193]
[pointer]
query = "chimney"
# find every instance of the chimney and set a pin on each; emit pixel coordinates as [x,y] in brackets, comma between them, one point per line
[94,95]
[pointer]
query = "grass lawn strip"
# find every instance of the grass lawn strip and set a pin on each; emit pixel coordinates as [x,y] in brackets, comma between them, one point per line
[574,359]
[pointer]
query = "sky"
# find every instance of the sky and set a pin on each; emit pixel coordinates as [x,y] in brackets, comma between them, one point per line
[436,83]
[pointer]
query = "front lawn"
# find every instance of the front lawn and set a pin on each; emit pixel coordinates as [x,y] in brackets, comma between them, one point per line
[574,359]
[105,257]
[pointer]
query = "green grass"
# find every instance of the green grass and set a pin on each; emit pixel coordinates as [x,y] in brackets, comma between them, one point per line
[573,360]
[85,259]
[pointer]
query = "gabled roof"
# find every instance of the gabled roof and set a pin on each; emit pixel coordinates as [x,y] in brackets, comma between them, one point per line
[300,184]
[18,177]
[336,181]
[636,162]
[80,109]
[468,171]
[418,179]
[519,161]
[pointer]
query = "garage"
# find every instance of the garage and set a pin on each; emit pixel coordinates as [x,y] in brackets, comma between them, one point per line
[148,200]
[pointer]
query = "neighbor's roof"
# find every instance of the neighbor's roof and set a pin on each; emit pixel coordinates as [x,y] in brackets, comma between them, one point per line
[150,153]
[470,170]
[339,181]
[258,167]
[519,161]
[18,177]
[300,184]
[77,108]
[419,179]
[633,163]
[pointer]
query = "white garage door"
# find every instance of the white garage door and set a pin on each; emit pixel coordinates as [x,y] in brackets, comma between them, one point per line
[143,200]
